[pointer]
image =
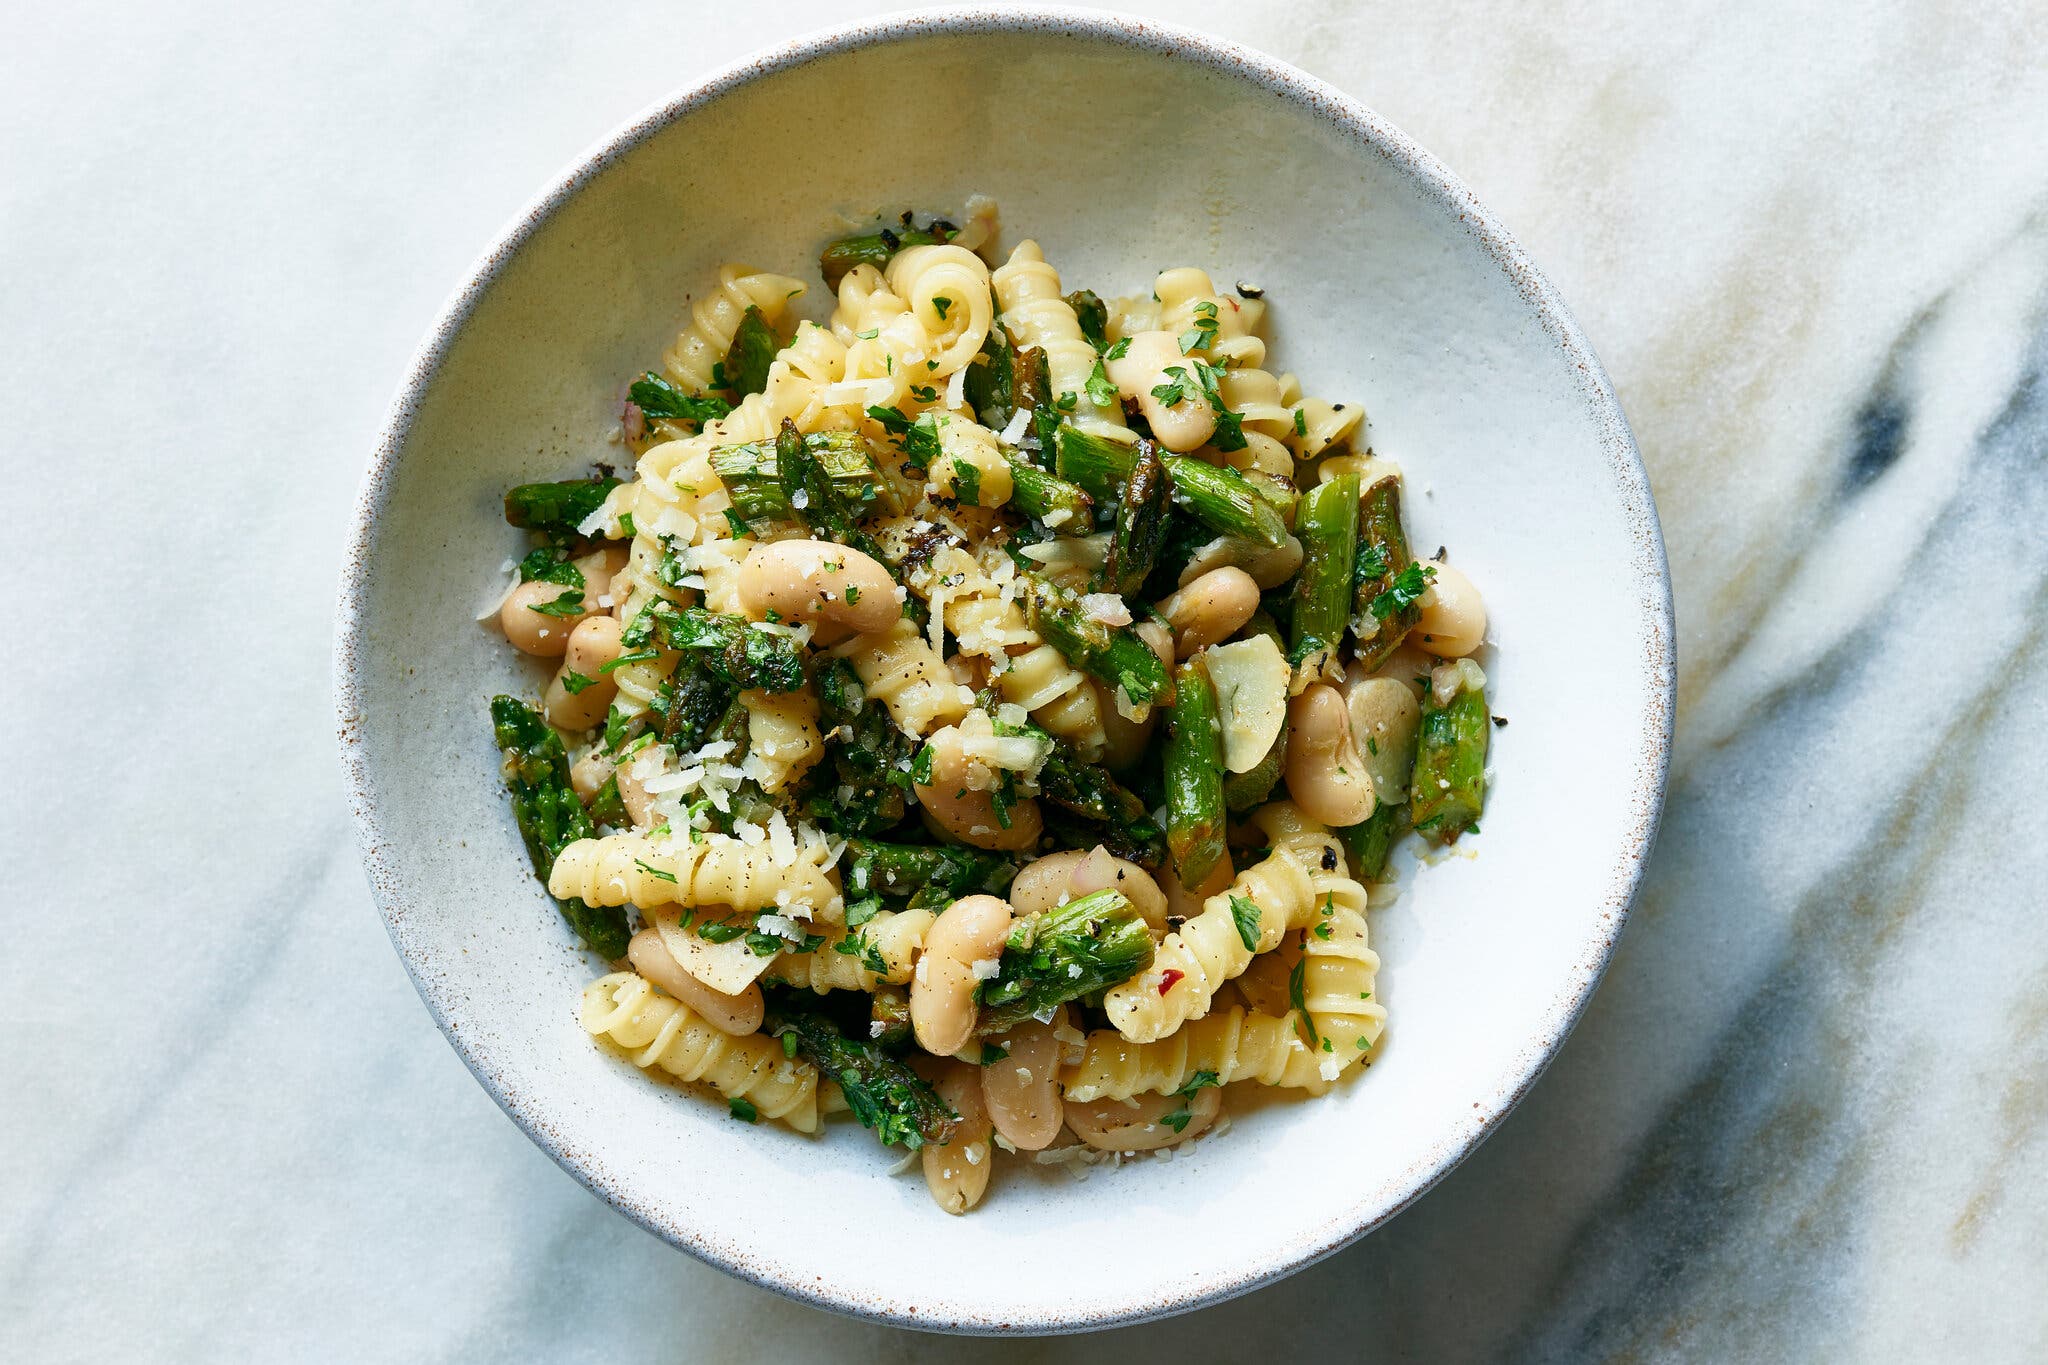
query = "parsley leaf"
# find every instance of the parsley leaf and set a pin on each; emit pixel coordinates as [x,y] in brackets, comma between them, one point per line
[1118,351]
[942,303]
[1175,392]
[743,1109]
[574,682]
[656,872]
[1407,589]
[657,397]
[1245,914]
[569,603]
[1100,390]
[1296,998]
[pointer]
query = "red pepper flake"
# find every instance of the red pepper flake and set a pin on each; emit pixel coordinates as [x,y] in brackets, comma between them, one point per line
[1167,979]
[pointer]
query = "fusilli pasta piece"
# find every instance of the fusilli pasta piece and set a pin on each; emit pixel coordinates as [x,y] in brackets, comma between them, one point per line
[1036,314]
[1058,696]
[970,468]
[977,603]
[782,737]
[893,937]
[899,668]
[716,316]
[946,288]
[656,1031]
[1339,967]
[1235,1044]
[716,869]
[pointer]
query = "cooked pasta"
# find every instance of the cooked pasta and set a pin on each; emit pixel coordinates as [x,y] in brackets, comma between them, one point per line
[966,572]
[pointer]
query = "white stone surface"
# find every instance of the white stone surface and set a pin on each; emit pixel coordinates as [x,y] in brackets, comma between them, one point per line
[1806,1117]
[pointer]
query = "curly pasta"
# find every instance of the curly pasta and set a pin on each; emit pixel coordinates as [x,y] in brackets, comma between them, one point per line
[1208,950]
[899,668]
[649,871]
[1235,1044]
[947,290]
[971,469]
[1035,313]
[715,317]
[1058,696]
[782,737]
[1338,966]
[894,937]
[654,1030]
[976,602]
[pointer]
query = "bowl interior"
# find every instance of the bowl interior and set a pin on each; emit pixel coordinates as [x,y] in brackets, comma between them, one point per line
[1122,150]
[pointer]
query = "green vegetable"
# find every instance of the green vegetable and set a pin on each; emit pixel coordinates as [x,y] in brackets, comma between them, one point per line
[1224,501]
[564,604]
[550,564]
[813,495]
[1380,592]
[1194,775]
[743,1109]
[1449,787]
[753,476]
[1100,934]
[875,248]
[1094,794]
[556,509]
[865,754]
[1328,527]
[1045,496]
[1115,654]
[989,383]
[907,870]
[1031,390]
[1093,315]
[692,702]
[888,1006]
[660,399]
[536,769]
[607,808]
[730,647]
[1140,529]
[1096,465]
[881,1089]
[1244,913]
[753,349]
[1368,844]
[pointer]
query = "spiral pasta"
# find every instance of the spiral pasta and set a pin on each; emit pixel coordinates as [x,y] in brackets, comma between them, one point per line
[977,603]
[1035,313]
[971,469]
[715,869]
[947,291]
[1338,966]
[1234,1044]
[655,1030]
[1058,696]
[716,317]
[893,937]
[782,736]
[900,669]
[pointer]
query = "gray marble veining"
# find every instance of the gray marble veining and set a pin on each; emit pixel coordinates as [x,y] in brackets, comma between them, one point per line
[1806,1117]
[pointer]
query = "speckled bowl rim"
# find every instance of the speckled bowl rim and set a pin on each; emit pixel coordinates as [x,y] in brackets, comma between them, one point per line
[1338,111]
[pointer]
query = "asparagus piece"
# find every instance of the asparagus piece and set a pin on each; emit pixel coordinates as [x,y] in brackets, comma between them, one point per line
[889,1007]
[730,648]
[866,754]
[1067,952]
[1248,790]
[1115,654]
[1328,526]
[1047,497]
[1194,775]
[550,816]
[1031,390]
[1385,592]
[1368,844]
[1224,501]
[660,399]
[813,497]
[881,1089]
[1449,787]
[898,870]
[753,349]
[753,476]
[692,702]
[1141,524]
[990,381]
[875,248]
[1095,464]
[1094,794]
[1093,315]
[608,807]
[556,509]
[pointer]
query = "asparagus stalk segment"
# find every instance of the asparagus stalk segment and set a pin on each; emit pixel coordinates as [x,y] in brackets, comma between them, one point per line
[1327,524]
[1048,497]
[752,475]
[692,702]
[1194,775]
[1096,465]
[1031,388]
[813,497]
[1449,787]
[1067,952]
[1141,524]
[905,870]
[875,248]
[556,509]
[859,791]
[1115,654]
[883,1092]
[536,769]
[1094,794]
[753,349]
[1093,315]
[990,381]
[1368,844]
[1384,609]
[1224,501]
[729,647]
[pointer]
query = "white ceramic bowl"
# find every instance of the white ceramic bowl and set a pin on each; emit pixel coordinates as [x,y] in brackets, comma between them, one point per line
[1124,147]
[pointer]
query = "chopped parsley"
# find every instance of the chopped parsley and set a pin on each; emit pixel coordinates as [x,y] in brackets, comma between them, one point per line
[942,303]
[743,1109]
[1202,335]
[1296,998]
[657,397]
[1300,422]
[1408,586]
[1175,392]
[573,682]
[1100,390]
[656,872]
[853,596]
[569,603]
[1245,914]
[991,1053]
[1118,351]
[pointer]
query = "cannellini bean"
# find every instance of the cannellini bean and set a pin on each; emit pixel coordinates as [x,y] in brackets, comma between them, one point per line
[1135,1125]
[589,773]
[957,1172]
[967,813]
[593,644]
[537,632]
[1384,721]
[1211,609]
[738,1015]
[804,580]
[942,1005]
[1324,774]
[1071,874]
[1453,616]
[1022,1091]
[1143,368]
[1370,469]
[598,568]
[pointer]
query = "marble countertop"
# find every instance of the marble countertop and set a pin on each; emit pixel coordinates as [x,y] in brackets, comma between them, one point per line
[1806,1117]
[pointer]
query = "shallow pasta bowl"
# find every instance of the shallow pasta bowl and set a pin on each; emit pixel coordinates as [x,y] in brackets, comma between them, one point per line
[1390,285]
